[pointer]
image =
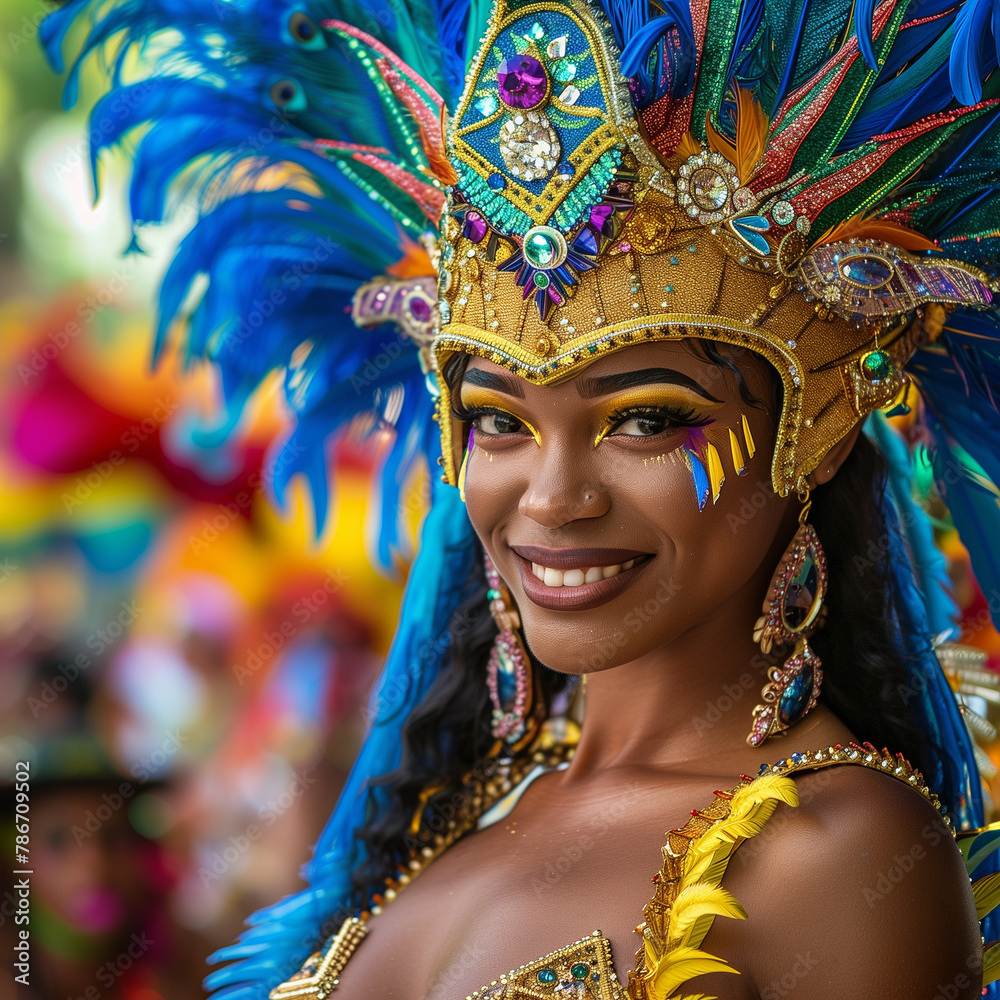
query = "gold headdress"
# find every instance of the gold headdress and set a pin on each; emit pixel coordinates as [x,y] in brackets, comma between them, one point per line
[573,229]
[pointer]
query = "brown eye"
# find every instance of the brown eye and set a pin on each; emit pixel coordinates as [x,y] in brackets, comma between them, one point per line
[497,423]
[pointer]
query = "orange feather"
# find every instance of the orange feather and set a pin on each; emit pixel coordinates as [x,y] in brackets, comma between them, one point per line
[747,152]
[894,233]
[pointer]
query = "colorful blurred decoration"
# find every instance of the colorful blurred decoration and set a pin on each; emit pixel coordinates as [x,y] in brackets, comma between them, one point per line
[171,641]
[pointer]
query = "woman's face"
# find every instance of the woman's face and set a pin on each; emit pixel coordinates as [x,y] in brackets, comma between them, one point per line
[586,496]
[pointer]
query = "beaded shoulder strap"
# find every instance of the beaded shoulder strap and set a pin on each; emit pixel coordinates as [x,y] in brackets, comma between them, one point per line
[688,893]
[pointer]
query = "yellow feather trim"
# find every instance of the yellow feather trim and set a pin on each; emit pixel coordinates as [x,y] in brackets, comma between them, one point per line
[696,901]
[680,965]
[986,892]
[751,807]
[672,961]
[991,964]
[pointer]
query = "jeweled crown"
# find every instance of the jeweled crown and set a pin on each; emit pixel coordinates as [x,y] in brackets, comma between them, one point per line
[576,225]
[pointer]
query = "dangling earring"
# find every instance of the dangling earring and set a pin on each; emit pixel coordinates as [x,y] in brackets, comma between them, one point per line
[509,674]
[791,614]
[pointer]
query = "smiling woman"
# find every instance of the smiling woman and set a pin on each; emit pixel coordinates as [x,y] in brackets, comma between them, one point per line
[663,265]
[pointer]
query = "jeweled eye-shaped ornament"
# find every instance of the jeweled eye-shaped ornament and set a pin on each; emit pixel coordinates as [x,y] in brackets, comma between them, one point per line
[797,592]
[863,280]
[790,615]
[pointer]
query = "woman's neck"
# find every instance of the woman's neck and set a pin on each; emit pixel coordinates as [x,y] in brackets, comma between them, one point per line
[689,700]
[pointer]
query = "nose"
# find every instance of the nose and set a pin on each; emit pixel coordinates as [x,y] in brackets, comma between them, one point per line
[562,490]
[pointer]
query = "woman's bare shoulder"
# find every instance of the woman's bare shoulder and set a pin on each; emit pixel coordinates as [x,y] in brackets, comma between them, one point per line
[858,891]
[867,877]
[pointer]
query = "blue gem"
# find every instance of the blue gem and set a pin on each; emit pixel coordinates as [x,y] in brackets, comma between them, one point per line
[763,770]
[669,288]
[872,272]
[547,976]
[565,169]
[497,182]
[795,697]
[586,241]
[487,105]
[796,757]
[749,229]
[674,260]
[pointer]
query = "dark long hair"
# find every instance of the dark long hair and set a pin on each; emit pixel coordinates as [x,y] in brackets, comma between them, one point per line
[864,665]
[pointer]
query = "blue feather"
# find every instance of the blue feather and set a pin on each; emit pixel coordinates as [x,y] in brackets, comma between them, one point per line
[973,23]
[864,13]
[280,937]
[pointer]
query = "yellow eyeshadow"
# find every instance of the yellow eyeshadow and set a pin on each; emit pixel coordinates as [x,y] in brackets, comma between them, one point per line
[474,397]
[664,396]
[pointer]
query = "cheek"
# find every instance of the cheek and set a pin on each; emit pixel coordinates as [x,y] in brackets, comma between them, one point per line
[493,489]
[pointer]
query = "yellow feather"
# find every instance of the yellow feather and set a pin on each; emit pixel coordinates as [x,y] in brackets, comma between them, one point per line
[986,892]
[696,901]
[680,965]
[991,964]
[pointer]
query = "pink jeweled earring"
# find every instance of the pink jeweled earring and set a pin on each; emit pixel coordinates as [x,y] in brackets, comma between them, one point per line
[509,675]
[791,614]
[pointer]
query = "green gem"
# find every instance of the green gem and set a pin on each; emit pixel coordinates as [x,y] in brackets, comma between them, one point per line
[547,976]
[536,32]
[565,71]
[541,249]
[592,348]
[542,280]
[579,971]
[876,365]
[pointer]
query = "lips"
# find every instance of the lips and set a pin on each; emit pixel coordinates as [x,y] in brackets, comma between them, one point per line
[577,579]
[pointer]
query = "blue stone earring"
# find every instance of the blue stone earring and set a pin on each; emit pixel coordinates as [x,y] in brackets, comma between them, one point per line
[791,614]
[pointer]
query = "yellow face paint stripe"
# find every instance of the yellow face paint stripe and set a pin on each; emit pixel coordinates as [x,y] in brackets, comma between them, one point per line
[747,436]
[739,464]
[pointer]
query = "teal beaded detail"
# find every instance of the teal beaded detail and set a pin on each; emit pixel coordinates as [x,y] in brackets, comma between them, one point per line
[497,210]
[588,191]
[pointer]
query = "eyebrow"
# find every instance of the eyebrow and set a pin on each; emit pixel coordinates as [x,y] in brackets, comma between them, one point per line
[508,384]
[601,386]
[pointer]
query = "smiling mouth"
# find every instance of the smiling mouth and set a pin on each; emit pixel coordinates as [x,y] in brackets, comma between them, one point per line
[576,579]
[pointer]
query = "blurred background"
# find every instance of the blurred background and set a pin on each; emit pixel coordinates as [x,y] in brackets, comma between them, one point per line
[183,664]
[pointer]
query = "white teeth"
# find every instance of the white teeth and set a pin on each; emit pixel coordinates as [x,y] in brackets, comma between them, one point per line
[578,577]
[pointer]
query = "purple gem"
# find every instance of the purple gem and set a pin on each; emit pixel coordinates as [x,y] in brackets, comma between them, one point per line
[475,227]
[420,309]
[599,216]
[522,82]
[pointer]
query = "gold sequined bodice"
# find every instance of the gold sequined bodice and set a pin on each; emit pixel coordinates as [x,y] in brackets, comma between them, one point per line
[694,861]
